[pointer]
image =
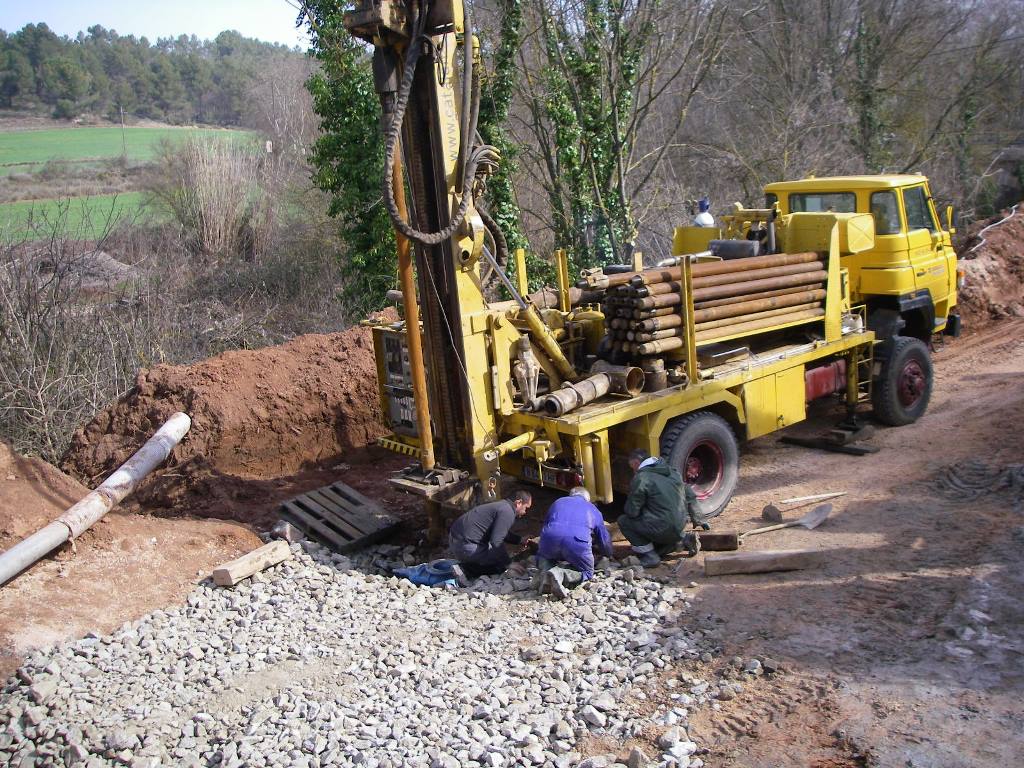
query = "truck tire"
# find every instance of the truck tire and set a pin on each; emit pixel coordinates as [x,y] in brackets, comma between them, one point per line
[904,386]
[703,448]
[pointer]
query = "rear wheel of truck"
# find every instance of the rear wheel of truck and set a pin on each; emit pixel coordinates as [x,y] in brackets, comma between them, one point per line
[904,386]
[703,448]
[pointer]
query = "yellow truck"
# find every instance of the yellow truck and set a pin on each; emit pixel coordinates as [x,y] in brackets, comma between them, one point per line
[728,341]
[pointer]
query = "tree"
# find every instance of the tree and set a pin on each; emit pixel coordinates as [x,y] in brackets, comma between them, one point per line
[607,85]
[16,78]
[348,157]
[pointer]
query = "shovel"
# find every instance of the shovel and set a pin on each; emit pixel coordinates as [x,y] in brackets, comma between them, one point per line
[811,520]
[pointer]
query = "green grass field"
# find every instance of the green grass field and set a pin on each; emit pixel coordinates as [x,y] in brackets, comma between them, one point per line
[83,218]
[27,151]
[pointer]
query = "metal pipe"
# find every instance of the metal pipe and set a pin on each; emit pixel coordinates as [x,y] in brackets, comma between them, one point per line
[667,333]
[660,323]
[750,317]
[413,336]
[643,314]
[757,325]
[97,503]
[587,460]
[654,289]
[602,468]
[655,302]
[757,274]
[735,289]
[759,305]
[706,268]
[516,443]
[625,379]
[572,396]
[747,297]
[661,345]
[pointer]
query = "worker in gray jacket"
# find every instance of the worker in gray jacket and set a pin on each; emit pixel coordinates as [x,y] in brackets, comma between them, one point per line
[477,539]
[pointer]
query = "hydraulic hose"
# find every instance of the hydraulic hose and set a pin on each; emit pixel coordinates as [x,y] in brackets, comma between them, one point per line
[472,158]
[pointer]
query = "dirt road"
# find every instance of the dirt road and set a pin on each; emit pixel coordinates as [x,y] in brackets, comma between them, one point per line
[905,649]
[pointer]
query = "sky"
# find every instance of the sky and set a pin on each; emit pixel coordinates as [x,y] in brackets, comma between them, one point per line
[269,20]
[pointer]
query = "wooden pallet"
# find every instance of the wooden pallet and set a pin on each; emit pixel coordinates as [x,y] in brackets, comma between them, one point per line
[339,516]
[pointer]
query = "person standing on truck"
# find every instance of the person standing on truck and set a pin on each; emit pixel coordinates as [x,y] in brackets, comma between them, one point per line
[656,510]
[568,535]
[477,539]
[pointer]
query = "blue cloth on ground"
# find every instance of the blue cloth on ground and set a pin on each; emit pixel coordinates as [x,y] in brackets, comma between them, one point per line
[436,573]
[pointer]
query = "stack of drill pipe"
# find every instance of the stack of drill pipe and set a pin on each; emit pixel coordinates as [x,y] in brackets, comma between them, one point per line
[645,312]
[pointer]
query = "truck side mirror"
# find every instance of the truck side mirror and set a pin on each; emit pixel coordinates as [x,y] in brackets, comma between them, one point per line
[949,220]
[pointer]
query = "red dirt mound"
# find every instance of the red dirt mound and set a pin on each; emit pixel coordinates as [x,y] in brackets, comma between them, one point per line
[994,287]
[256,416]
[121,568]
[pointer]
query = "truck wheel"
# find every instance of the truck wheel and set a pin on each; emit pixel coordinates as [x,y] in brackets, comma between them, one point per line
[703,448]
[903,388]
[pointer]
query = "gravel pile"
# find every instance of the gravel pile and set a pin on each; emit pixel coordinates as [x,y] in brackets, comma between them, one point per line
[317,662]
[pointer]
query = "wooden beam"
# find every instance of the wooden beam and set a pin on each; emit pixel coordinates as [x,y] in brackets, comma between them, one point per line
[719,541]
[762,562]
[245,566]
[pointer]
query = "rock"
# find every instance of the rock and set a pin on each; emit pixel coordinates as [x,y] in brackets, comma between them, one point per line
[637,759]
[725,693]
[41,690]
[769,665]
[670,738]
[564,646]
[604,701]
[593,716]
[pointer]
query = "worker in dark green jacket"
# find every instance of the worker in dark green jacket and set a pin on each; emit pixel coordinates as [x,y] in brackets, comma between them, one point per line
[657,509]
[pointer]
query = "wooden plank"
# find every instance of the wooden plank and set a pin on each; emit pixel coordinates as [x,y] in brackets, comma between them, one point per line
[325,514]
[719,541]
[350,510]
[763,561]
[310,523]
[245,566]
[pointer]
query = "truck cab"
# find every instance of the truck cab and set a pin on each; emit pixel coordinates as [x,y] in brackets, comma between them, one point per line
[908,280]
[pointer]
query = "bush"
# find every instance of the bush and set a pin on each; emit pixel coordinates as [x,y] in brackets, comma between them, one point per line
[219,192]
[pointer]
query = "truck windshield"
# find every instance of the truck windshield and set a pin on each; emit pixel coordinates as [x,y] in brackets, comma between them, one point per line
[885,212]
[821,202]
[919,215]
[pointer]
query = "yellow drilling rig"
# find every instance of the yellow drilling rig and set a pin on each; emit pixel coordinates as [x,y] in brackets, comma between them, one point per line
[729,339]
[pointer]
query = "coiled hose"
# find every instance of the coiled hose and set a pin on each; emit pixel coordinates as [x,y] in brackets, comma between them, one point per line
[469,160]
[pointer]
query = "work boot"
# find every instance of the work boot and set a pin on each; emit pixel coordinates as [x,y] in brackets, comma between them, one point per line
[460,575]
[691,542]
[543,582]
[705,526]
[557,588]
[649,559]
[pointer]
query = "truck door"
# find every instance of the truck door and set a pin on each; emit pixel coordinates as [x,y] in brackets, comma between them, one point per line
[924,239]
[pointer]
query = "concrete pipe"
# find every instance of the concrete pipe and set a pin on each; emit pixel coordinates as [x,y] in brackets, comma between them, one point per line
[757,325]
[758,305]
[97,503]
[757,274]
[752,286]
[750,317]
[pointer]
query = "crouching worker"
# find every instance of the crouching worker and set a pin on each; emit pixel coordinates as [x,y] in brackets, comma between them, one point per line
[656,510]
[569,535]
[477,539]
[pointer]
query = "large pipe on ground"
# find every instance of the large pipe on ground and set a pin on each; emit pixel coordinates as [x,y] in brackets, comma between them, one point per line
[758,305]
[97,503]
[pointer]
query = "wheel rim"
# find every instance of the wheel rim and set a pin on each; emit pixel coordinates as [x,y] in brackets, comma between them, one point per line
[911,384]
[704,468]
